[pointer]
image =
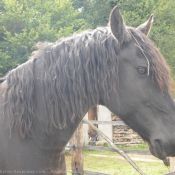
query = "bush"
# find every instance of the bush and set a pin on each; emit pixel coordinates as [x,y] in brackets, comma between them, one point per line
[24,22]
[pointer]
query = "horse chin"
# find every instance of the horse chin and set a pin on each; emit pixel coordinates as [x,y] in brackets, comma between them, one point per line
[157,150]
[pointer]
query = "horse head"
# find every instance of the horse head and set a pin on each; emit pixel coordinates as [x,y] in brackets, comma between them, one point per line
[143,99]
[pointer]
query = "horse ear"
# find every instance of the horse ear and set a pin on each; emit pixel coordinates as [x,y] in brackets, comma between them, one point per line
[146,27]
[117,25]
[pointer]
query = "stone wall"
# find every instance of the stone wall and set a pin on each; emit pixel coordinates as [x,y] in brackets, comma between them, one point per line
[120,134]
[123,135]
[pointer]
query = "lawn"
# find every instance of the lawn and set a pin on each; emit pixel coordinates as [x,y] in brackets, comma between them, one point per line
[113,164]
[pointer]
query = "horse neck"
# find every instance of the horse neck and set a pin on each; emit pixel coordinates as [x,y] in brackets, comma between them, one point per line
[75,77]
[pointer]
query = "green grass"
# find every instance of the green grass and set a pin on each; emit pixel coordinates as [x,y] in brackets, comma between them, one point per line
[111,163]
[142,146]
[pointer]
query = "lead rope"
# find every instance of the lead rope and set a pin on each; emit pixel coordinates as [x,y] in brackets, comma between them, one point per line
[138,45]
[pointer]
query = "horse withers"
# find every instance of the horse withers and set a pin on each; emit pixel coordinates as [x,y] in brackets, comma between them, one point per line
[43,100]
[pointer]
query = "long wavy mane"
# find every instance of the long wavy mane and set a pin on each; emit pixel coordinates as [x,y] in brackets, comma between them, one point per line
[73,70]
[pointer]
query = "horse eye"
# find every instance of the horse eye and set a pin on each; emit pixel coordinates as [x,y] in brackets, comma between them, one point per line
[142,70]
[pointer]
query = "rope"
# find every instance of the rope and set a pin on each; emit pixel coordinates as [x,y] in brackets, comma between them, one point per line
[138,45]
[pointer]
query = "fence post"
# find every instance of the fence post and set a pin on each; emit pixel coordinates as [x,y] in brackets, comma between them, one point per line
[92,115]
[172,164]
[77,151]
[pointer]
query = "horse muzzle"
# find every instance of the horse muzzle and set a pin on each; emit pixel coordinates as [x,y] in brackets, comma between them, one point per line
[161,149]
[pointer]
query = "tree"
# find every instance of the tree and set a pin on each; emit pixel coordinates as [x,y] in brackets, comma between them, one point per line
[135,12]
[163,33]
[23,23]
[96,12]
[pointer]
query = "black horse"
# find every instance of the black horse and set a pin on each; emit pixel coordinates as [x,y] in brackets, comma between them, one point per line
[43,100]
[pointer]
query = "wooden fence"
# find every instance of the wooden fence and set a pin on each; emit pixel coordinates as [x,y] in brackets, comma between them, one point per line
[77,145]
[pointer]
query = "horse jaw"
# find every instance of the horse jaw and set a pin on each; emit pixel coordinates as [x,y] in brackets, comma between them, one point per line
[157,150]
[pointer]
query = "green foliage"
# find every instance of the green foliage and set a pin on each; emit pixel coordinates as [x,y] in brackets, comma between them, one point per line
[163,33]
[96,12]
[24,22]
[136,12]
